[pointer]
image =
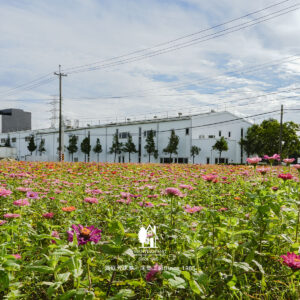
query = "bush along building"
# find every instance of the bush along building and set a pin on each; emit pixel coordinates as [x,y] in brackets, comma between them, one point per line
[206,138]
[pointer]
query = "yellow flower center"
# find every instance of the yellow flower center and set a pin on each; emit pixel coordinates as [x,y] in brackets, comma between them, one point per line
[297,259]
[85,231]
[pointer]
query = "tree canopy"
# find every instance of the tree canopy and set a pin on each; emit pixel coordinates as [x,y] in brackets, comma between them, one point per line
[72,148]
[85,147]
[116,147]
[195,151]
[98,148]
[129,147]
[173,144]
[31,145]
[221,145]
[150,145]
[263,139]
[42,147]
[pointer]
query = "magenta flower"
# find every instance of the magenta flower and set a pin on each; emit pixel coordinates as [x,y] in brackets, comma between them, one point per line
[210,177]
[146,204]
[4,192]
[263,171]
[292,260]
[285,176]
[186,186]
[2,222]
[288,161]
[91,200]
[153,271]
[173,191]
[17,256]
[84,234]
[48,215]
[55,234]
[21,202]
[272,158]
[11,216]
[253,160]
[32,195]
[192,210]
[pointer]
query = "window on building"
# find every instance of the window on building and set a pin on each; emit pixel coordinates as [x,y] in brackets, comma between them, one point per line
[201,136]
[187,131]
[216,160]
[147,132]
[211,136]
[3,140]
[229,134]
[220,133]
[13,140]
[27,138]
[207,160]
[123,135]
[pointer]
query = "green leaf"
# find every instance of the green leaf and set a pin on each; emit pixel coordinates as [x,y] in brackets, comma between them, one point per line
[4,280]
[113,250]
[41,269]
[186,275]
[177,283]
[129,252]
[117,227]
[195,287]
[11,265]
[242,265]
[123,294]
[68,295]
[259,266]
[63,277]
[203,251]
[52,288]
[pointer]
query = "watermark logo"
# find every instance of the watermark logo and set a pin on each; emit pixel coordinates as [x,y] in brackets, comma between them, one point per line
[148,237]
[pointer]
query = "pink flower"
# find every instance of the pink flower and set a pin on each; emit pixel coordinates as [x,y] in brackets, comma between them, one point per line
[84,234]
[253,160]
[23,189]
[263,171]
[55,234]
[292,260]
[186,186]
[91,200]
[146,204]
[17,256]
[192,210]
[153,271]
[21,202]
[297,167]
[11,216]
[4,192]
[2,222]
[32,195]
[285,176]
[173,191]
[210,177]
[289,160]
[275,188]
[49,215]
[272,158]
[223,209]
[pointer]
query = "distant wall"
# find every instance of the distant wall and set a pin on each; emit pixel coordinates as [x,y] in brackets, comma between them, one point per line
[18,120]
[8,152]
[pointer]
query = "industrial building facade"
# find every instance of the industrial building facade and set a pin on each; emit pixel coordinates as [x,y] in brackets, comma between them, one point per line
[12,120]
[201,130]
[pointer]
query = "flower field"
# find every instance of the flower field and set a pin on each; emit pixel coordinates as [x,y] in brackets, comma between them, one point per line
[81,231]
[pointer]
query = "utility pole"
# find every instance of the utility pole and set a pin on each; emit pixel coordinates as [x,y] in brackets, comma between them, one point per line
[280,133]
[60,74]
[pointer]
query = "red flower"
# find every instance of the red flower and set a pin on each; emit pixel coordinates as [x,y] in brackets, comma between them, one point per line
[154,270]
[48,215]
[285,176]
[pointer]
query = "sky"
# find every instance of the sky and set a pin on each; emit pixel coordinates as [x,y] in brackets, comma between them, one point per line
[177,62]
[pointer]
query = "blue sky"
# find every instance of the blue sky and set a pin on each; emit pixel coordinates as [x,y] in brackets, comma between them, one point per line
[38,35]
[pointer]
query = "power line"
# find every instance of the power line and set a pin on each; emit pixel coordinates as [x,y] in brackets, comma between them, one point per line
[180,38]
[194,41]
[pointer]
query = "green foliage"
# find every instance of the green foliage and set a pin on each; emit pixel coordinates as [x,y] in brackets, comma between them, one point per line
[264,139]
[98,148]
[116,147]
[129,146]
[150,145]
[72,148]
[7,142]
[195,151]
[42,148]
[31,145]
[220,145]
[173,144]
[85,147]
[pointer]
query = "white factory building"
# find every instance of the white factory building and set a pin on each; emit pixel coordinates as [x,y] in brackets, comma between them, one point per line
[201,130]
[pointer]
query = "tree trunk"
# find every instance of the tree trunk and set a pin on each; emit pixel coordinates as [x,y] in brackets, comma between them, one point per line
[97,157]
[193,159]
[149,156]
[129,156]
[115,156]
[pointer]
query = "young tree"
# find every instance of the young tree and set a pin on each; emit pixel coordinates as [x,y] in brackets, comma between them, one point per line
[129,146]
[264,138]
[7,142]
[72,148]
[98,148]
[173,144]
[86,148]
[150,145]
[220,145]
[31,145]
[116,147]
[42,147]
[195,151]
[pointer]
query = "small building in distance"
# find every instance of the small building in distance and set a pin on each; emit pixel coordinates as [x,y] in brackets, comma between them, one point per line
[13,120]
